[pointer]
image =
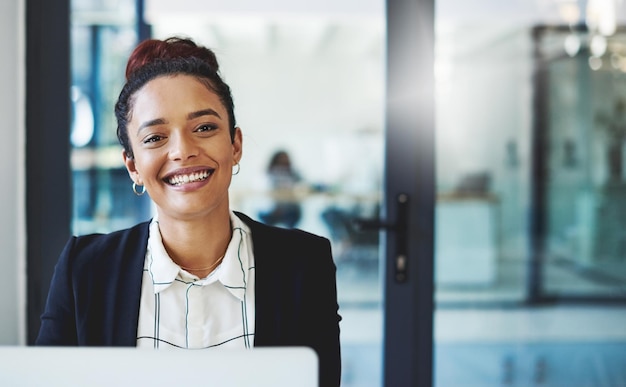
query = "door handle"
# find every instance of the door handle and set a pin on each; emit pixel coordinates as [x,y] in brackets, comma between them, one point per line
[400,227]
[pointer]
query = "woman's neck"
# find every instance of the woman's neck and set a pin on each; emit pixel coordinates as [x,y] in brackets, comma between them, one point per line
[196,244]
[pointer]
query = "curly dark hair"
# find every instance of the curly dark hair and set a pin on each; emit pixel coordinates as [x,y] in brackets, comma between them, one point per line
[154,58]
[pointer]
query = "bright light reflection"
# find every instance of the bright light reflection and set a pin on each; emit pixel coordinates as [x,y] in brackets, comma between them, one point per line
[83,120]
[595,63]
[572,45]
[598,46]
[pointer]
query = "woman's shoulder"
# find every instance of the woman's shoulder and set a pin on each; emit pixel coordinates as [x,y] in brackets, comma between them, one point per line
[263,231]
[110,246]
[97,260]
[137,231]
[286,245]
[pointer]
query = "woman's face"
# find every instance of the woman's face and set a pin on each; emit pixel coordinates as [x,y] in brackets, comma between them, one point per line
[183,153]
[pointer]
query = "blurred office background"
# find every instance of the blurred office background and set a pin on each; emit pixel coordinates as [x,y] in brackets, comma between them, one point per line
[530,128]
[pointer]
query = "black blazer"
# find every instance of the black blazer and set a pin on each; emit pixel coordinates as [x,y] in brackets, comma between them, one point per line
[96,287]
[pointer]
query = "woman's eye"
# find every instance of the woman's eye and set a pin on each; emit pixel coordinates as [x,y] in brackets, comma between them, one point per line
[206,128]
[152,139]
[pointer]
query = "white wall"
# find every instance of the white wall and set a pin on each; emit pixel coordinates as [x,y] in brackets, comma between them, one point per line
[12,165]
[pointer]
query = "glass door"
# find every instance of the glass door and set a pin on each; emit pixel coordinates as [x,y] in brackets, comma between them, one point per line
[529,268]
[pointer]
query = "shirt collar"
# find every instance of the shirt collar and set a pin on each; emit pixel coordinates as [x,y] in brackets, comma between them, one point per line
[235,268]
[233,272]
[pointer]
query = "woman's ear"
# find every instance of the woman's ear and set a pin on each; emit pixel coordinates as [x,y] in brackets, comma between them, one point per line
[129,162]
[237,145]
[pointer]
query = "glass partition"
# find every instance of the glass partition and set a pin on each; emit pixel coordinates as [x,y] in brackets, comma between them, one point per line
[583,138]
[483,132]
[103,33]
[530,284]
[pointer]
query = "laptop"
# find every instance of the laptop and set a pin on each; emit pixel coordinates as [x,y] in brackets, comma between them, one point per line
[89,366]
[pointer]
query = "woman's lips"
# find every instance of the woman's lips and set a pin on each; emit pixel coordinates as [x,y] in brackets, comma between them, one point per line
[185,178]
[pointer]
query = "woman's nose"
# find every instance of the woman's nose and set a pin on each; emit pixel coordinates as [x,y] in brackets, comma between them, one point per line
[182,147]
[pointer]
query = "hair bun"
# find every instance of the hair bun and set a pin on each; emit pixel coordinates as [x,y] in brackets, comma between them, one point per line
[153,49]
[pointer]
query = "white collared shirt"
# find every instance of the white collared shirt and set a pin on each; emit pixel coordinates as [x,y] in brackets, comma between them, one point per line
[178,309]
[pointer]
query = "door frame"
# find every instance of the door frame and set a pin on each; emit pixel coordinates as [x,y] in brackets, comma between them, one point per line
[48,121]
[410,170]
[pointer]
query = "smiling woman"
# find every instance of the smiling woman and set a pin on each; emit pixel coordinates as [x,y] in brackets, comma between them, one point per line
[179,132]
[198,275]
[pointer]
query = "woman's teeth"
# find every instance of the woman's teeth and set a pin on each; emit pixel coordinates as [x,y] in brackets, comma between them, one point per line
[190,178]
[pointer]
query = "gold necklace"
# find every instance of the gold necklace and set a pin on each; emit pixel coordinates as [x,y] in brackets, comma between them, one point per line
[215,264]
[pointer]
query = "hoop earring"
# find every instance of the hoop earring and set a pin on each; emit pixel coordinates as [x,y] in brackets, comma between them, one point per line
[143,189]
[238,169]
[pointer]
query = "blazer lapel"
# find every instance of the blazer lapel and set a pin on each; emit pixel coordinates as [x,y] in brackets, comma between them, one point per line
[127,292]
[268,314]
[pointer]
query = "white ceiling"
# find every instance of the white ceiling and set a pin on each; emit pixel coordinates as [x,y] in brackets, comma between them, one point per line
[516,11]
[326,8]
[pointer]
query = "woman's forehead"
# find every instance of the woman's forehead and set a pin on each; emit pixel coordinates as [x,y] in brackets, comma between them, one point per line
[176,94]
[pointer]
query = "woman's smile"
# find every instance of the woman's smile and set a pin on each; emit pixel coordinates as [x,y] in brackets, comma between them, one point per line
[180,178]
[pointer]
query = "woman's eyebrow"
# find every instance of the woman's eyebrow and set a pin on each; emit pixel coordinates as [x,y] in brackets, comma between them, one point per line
[204,112]
[190,116]
[156,121]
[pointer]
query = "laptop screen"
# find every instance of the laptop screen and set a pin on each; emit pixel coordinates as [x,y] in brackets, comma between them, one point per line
[89,366]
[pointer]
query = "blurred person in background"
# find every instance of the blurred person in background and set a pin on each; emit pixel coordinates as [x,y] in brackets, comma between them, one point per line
[286,210]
